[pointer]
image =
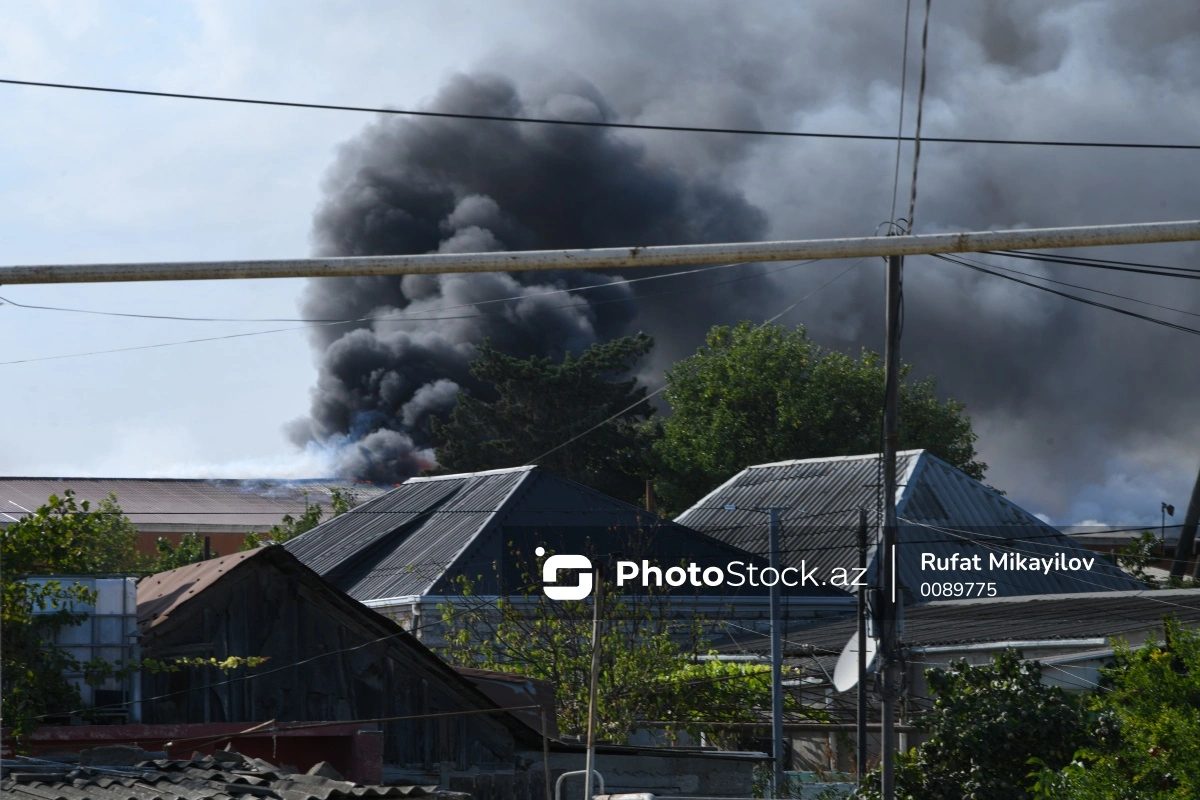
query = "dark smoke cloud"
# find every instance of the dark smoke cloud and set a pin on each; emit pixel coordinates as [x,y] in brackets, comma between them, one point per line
[417,186]
[1082,413]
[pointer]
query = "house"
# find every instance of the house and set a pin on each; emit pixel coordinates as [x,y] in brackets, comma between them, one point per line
[946,520]
[220,510]
[332,662]
[330,659]
[415,549]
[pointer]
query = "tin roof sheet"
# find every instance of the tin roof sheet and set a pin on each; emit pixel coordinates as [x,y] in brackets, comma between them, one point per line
[255,504]
[403,544]
[1047,617]
[942,512]
[224,776]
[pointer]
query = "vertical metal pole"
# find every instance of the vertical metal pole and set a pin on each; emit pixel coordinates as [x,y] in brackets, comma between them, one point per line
[546,754]
[597,599]
[891,433]
[1187,534]
[861,761]
[776,659]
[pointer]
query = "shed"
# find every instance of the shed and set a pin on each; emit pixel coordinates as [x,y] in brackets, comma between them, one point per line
[943,513]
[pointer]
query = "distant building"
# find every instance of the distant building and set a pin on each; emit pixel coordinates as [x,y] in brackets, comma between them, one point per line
[943,515]
[224,510]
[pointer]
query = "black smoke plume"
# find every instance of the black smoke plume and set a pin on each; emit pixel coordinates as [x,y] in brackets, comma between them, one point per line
[1082,413]
[429,185]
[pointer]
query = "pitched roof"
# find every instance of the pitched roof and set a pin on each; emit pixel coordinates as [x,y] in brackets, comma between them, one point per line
[942,511]
[185,504]
[407,542]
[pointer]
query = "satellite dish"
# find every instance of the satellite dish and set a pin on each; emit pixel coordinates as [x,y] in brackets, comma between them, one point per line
[845,674]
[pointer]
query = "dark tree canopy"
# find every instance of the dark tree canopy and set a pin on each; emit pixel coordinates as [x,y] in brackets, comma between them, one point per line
[540,403]
[757,394]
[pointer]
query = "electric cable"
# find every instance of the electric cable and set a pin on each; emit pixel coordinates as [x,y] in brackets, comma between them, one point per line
[176,343]
[595,124]
[1076,298]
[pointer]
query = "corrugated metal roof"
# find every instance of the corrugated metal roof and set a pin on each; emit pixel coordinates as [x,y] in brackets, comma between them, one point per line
[408,542]
[253,504]
[160,594]
[942,511]
[224,777]
[1055,617]
[400,544]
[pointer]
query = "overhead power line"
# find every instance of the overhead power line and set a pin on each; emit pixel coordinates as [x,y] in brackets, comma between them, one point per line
[1084,288]
[404,315]
[1188,273]
[596,124]
[1069,296]
[400,318]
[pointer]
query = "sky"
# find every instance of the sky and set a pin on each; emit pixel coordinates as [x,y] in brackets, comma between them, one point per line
[1083,415]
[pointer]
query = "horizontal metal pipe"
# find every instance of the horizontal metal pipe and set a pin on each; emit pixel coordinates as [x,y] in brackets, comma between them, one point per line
[608,258]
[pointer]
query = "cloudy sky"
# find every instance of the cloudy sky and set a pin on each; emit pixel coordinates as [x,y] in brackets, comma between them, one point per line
[1082,414]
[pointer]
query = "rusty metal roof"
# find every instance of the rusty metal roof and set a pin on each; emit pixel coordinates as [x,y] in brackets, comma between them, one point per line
[941,510]
[160,594]
[191,504]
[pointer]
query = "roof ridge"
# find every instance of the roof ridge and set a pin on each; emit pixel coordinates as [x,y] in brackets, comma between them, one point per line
[463,475]
[826,459]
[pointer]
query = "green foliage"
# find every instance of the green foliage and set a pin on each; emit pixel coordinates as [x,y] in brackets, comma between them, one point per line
[1147,731]
[62,537]
[646,672]
[1139,554]
[340,501]
[987,723]
[539,403]
[190,550]
[756,394]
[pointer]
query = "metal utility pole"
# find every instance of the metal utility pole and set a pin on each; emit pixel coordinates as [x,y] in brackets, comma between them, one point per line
[774,515]
[635,256]
[887,555]
[1187,534]
[776,658]
[861,727]
[590,762]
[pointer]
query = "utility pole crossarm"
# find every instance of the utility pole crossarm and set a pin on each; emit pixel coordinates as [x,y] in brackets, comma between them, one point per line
[607,258]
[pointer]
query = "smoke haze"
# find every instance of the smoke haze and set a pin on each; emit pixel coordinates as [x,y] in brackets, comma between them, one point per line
[1079,410]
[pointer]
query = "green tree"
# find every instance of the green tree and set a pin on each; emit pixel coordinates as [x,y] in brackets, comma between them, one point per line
[62,537]
[986,724]
[1139,554]
[190,550]
[538,404]
[1147,729]
[757,394]
[649,666]
[340,501]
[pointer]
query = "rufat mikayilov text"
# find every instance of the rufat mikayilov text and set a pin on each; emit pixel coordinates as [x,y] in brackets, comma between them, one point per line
[1009,562]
